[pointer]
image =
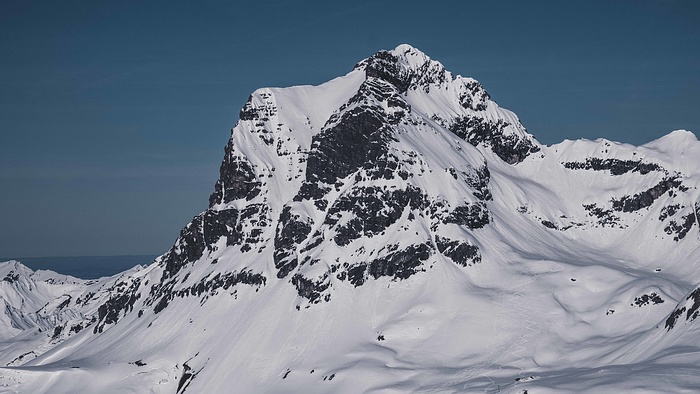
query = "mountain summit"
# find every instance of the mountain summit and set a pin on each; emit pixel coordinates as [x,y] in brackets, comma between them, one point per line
[392,230]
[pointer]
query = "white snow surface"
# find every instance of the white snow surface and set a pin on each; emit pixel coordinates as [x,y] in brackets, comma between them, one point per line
[556,303]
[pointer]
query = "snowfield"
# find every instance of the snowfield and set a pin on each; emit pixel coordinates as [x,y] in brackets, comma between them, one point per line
[391,230]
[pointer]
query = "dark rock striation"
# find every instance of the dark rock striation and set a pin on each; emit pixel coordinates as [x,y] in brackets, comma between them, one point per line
[372,210]
[646,198]
[479,131]
[122,299]
[615,166]
[237,180]
[691,310]
[291,231]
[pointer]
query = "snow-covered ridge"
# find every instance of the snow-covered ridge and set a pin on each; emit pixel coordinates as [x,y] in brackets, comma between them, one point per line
[29,298]
[391,229]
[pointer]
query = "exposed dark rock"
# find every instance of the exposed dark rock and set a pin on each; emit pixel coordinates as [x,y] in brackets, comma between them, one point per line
[377,91]
[360,136]
[387,166]
[461,253]
[646,299]
[356,137]
[76,328]
[472,216]
[314,191]
[615,166]
[384,65]
[65,302]
[400,264]
[291,231]
[221,281]
[606,217]
[356,274]
[317,240]
[187,375]
[209,286]
[84,300]
[216,224]
[673,318]
[387,67]
[475,98]
[311,289]
[452,172]
[476,130]
[480,183]
[646,198]
[237,179]
[258,116]
[11,277]
[57,332]
[208,227]
[549,224]
[163,302]
[248,112]
[680,230]
[121,302]
[189,247]
[372,210]
[21,357]
[691,312]
[427,74]
[668,211]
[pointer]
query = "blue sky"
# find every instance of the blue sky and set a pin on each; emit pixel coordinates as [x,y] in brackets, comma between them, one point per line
[114,115]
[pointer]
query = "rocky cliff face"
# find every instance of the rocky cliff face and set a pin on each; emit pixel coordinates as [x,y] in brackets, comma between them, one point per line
[393,228]
[355,179]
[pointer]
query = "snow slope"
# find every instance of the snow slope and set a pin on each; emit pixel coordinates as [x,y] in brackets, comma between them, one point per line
[392,230]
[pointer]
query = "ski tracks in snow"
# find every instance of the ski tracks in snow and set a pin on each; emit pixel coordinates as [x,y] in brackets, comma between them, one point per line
[525,312]
[512,350]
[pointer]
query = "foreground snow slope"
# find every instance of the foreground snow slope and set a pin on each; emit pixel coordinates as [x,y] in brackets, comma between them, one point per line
[393,230]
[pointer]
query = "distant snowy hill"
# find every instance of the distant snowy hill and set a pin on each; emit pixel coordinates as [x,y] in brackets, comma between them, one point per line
[392,230]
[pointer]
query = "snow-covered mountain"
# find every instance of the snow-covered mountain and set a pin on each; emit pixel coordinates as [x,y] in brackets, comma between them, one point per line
[392,230]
